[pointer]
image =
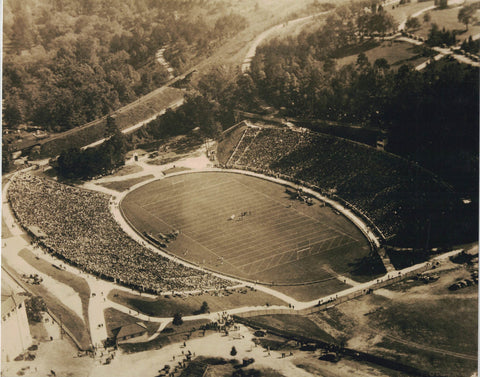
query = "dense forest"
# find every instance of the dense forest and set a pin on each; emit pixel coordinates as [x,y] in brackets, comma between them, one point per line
[68,62]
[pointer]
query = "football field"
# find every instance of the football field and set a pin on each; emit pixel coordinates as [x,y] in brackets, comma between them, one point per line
[246,227]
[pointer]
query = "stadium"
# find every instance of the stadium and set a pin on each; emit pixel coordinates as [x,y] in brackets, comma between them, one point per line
[285,213]
[248,227]
[304,213]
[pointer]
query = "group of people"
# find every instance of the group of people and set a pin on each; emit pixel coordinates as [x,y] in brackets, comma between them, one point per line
[374,184]
[80,229]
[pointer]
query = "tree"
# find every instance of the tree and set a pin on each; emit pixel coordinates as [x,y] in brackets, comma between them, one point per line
[69,163]
[111,127]
[381,64]
[34,307]
[233,352]
[12,115]
[412,23]
[23,29]
[6,158]
[471,46]
[466,15]
[204,308]
[379,22]
[362,61]
[426,17]
[177,319]
[441,4]
[113,151]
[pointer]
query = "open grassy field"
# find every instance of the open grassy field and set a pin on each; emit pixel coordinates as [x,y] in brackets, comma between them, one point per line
[128,169]
[396,54]
[189,305]
[115,319]
[443,365]
[294,324]
[175,170]
[423,325]
[311,291]
[451,330]
[279,240]
[126,183]
[174,334]
[448,19]
[401,12]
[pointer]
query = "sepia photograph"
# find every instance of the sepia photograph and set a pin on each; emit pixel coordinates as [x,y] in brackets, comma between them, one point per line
[240,188]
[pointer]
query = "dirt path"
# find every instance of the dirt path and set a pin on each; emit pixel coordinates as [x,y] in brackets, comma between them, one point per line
[268,33]
[442,52]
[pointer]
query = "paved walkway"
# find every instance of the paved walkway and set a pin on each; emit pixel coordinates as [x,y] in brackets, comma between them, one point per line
[442,52]
[99,288]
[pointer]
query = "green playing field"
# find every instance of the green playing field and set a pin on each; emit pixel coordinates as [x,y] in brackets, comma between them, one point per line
[247,227]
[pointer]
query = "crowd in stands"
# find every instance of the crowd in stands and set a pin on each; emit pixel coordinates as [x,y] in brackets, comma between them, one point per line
[385,189]
[80,229]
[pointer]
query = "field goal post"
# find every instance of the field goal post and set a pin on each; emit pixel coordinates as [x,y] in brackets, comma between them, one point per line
[303,247]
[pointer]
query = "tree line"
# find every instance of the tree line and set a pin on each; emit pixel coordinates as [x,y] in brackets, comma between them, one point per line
[426,114]
[76,163]
[69,62]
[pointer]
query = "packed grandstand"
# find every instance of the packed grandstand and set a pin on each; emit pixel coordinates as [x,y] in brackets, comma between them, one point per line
[387,190]
[78,227]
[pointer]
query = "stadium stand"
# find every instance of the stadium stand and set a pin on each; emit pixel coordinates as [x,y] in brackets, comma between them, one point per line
[78,227]
[385,189]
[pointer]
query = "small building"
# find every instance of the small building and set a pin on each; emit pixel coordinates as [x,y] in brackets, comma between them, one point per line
[131,333]
[16,337]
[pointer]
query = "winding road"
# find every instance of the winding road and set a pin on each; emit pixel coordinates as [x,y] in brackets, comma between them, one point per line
[268,33]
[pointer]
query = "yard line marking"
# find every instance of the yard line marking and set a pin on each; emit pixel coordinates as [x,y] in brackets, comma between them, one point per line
[188,193]
[291,262]
[276,247]
[256,245]
[253,235]
[304,214]
[192,239]
[292,250]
